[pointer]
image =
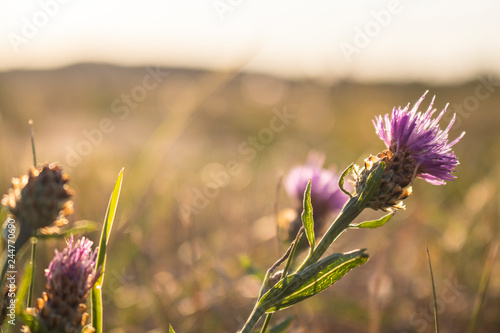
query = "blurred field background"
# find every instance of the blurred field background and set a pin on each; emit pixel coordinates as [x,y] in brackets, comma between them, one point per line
[195,227]
[174,261]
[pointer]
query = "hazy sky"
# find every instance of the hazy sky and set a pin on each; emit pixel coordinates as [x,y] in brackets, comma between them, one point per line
[439,40]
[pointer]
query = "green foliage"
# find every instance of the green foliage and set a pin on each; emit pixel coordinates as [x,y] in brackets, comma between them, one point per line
[170,329]
[374,223]
[342,179]
[21,295]
[307,216]
[311,280]
[97,310]
[372,184]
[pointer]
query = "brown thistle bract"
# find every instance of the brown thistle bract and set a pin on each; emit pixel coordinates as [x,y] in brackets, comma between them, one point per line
[395,186]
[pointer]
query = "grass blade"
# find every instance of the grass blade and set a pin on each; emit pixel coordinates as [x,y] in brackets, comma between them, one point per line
[101,256]
[436,316]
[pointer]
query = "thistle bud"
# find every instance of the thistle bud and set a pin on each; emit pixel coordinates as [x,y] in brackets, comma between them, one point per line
[40,198]
[395,185]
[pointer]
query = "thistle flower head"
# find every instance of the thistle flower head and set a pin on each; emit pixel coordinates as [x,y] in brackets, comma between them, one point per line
[417,147]
[421,137]
[40,198]
[70,276]
[76,264]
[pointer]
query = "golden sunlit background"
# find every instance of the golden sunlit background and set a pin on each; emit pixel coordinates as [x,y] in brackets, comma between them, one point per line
[184,94]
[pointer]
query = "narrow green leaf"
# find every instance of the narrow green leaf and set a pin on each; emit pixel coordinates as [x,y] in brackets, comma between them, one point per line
[21,295]
[310,281]
[170,329]
[342,180]
[373,224]
[101,256]
[307,216]
[22,290]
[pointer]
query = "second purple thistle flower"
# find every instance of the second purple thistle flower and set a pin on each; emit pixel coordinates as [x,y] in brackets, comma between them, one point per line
[326,197]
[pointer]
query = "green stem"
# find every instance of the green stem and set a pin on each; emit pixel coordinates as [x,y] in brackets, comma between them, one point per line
[351,210]
[255,316]
[266,323]
[347,215]
[32,277]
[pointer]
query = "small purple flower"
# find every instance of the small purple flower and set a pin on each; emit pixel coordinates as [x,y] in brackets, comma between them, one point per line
[420,135]
[77,264]
[325,193]
[70,276]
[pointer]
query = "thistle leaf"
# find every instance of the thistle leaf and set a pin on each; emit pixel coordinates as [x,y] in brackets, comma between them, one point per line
[311,280]
[373,224]
[342,180]
[307,216]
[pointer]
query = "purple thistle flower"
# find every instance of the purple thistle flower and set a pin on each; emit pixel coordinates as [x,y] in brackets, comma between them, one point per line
[326,197]
[75,263]
[420,135]
[325,193]
[70,276]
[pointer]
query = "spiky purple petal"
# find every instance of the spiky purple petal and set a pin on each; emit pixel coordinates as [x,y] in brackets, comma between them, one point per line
[76,263]
[422,136]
